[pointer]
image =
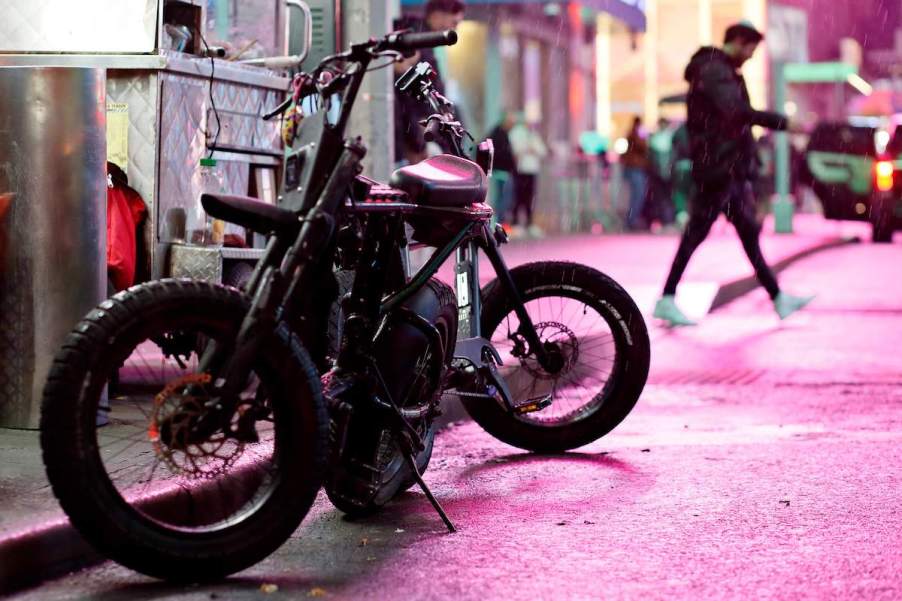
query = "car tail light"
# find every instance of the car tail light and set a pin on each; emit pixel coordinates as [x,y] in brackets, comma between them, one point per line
[884,175]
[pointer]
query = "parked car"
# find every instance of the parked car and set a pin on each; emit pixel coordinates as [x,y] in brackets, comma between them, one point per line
[854,178]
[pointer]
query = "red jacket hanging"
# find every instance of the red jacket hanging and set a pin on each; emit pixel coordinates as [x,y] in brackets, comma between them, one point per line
[124,212]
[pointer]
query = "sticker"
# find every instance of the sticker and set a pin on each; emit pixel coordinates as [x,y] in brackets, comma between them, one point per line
[463,290]
[117,134]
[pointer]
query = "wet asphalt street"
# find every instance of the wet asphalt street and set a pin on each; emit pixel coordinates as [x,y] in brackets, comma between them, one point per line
[763,461]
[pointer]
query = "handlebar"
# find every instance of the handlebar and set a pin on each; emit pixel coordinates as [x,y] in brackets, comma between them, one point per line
[405,41]
[361,54]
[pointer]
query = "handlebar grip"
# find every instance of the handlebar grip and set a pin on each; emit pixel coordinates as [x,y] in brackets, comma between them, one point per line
[278,63]
[415,41]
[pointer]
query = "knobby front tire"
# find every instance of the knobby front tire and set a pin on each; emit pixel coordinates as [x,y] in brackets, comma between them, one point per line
[133,488]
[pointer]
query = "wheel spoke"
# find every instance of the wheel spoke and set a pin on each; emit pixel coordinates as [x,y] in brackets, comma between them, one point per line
[578,330]
[139,450]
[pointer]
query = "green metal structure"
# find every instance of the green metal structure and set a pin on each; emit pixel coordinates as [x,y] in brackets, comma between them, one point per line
[797,73]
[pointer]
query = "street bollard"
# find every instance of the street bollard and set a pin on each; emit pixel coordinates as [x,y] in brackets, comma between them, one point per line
[784,208]
[53,233]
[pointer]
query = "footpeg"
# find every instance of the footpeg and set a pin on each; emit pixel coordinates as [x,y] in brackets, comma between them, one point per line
[532,405]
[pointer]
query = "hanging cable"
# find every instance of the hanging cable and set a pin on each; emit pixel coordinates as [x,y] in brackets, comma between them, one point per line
[212,146]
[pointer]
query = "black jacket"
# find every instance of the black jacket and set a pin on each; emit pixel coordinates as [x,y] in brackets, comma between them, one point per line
[504,153]
[409,112]
[721,117]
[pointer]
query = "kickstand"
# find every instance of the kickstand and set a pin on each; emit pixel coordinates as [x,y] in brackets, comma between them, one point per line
[425,488]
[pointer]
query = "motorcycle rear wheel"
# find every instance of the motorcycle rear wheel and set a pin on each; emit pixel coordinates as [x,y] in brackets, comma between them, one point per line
[594,324]
[372,470]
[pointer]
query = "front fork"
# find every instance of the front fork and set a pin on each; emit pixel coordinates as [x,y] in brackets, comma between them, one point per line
[471,344]
[469,296]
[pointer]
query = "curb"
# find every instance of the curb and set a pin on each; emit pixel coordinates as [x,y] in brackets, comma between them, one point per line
[42,553]
[733,290]
[55,548]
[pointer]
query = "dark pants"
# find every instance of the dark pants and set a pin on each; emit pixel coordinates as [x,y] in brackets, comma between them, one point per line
[737,201]
[637,180]
[659,205]
[524,196]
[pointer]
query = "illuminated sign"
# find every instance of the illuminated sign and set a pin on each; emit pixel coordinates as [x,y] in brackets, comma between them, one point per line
[631,12]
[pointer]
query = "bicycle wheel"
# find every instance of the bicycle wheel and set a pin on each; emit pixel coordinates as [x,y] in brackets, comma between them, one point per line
[594,326]
[148,490]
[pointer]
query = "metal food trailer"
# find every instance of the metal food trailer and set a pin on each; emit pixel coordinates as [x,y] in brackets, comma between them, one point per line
[176,93]
[153,86]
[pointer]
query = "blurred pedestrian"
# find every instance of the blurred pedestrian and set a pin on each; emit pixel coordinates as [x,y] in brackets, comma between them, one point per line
[660,174]
[529,149]
[438,15]
[720,120]
[763,175]
[504,168]
[635,165]
[410,145]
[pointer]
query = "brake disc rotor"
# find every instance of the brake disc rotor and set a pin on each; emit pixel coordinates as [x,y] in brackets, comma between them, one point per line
[175,409]
[557,338]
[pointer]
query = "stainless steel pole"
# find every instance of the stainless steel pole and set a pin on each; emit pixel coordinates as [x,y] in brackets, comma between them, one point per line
[53,234]
[374,113]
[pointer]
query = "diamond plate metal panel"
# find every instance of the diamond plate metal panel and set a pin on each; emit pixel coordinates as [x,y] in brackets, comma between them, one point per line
[244,133]
[184,126]
[240,108]
[16,333]
[243,254]
[140,91]
[196,262]
[182,145]
[127,26]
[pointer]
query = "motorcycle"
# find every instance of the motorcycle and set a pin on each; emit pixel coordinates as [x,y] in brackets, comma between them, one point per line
[233,407]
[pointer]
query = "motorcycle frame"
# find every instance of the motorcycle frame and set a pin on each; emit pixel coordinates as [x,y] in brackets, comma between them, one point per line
[288,268]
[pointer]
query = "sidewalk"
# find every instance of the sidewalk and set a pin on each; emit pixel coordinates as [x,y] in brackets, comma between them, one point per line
[36,540]
[37,543]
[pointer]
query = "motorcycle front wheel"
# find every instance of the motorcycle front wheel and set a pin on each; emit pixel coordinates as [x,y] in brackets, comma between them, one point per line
[130,469]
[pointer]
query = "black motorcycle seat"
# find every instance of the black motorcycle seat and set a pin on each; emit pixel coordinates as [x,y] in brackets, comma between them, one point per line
[251,213]
[442,181]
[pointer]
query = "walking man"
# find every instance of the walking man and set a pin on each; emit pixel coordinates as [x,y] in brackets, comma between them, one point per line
[720,124]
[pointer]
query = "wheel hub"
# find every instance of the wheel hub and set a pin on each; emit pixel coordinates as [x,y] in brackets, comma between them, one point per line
[177,410]
[561,347]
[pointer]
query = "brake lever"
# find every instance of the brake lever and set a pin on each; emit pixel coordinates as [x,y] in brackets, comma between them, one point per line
[278,110]
[443,124]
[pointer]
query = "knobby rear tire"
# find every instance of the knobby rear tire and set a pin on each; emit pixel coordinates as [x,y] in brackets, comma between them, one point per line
[584,284]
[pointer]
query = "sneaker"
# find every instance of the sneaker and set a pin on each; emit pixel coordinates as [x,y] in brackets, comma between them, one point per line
[787,304]
[535,232]
[667,310]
